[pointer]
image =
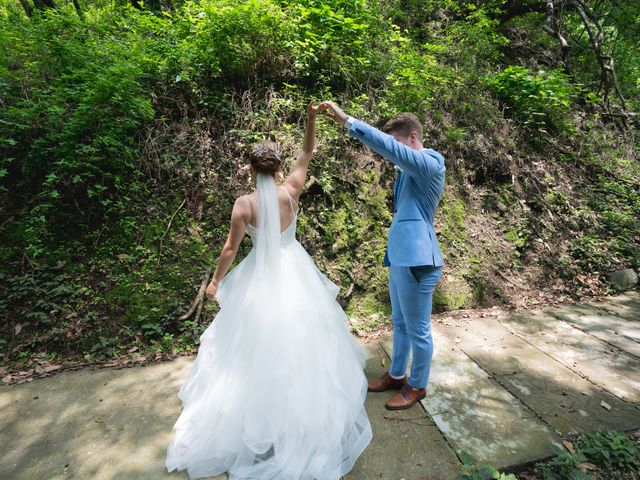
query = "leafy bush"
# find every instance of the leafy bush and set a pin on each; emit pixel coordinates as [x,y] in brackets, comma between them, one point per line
[416,77]
[231,42]
[610,449]
[565,466]
[607,454]
[540,100]
[337,43]
[74,102]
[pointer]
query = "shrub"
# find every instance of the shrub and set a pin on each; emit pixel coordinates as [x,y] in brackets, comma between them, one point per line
[610,449]
[540,100]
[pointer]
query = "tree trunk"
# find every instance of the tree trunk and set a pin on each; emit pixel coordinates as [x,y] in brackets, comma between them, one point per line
[76,4]
[43,4]
[28,9]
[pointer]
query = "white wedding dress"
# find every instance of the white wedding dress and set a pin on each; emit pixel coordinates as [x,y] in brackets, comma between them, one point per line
[277,389]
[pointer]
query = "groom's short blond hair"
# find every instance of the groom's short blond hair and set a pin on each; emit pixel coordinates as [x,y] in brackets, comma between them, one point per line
[404,124]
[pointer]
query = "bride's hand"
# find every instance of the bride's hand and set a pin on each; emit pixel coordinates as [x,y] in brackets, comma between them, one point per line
[212,289]
[314,109]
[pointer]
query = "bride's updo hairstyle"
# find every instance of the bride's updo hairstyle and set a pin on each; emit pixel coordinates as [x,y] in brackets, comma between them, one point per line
[265,157]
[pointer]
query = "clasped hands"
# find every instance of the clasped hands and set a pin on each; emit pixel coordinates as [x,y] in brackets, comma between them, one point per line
[333,111]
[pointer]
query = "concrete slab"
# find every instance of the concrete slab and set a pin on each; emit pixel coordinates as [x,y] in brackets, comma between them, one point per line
[102,424]
[602,324]
[601,363]
[406,444]
[626,305]
[478,415]
[563,399]
[108,424]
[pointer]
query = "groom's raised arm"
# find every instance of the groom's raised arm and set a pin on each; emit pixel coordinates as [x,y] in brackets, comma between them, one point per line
[423,163]
[417,163]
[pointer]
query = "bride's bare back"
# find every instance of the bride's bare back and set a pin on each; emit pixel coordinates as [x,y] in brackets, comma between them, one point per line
[288,207]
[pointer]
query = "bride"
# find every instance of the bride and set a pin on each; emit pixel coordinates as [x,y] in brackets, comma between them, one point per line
[277,389]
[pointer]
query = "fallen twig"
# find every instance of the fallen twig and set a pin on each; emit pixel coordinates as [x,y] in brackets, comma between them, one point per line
[168,227]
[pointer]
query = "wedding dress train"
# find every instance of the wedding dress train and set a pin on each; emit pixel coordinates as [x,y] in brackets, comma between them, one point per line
[277,389]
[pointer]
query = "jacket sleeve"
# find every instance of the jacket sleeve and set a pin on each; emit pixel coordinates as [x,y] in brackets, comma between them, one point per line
[417,163]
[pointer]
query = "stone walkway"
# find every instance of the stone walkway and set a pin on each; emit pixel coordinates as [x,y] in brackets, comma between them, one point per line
[506,389]
[503,389]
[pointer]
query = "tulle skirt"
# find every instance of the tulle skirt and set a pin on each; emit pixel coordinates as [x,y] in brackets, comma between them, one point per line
[277,389]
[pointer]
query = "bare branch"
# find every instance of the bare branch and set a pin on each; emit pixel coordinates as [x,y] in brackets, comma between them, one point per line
[199,300]
[551,27]
[168,227]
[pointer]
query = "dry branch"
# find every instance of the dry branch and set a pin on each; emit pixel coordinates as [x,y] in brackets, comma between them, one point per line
[168,227]
[199,300]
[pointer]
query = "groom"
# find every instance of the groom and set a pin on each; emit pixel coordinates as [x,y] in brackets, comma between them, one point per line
[413,254]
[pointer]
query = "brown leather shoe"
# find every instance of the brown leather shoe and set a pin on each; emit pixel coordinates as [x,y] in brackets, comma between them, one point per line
[405,398]
[387,382]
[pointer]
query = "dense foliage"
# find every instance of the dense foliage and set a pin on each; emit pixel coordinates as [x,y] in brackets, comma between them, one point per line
[117,116]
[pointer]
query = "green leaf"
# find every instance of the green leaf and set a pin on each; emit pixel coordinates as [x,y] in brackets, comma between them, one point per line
[467,458]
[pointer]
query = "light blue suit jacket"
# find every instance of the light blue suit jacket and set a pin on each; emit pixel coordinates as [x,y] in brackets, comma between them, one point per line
[416,193]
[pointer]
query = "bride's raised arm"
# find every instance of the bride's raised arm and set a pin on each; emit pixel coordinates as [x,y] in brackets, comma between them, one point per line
[296,179]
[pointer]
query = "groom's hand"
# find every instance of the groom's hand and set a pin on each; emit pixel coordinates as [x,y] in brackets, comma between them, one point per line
[334,112]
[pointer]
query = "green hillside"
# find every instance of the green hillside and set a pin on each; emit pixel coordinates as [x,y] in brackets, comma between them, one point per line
[124,130]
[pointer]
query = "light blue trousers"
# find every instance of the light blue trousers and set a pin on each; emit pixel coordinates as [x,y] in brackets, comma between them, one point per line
[411,290]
